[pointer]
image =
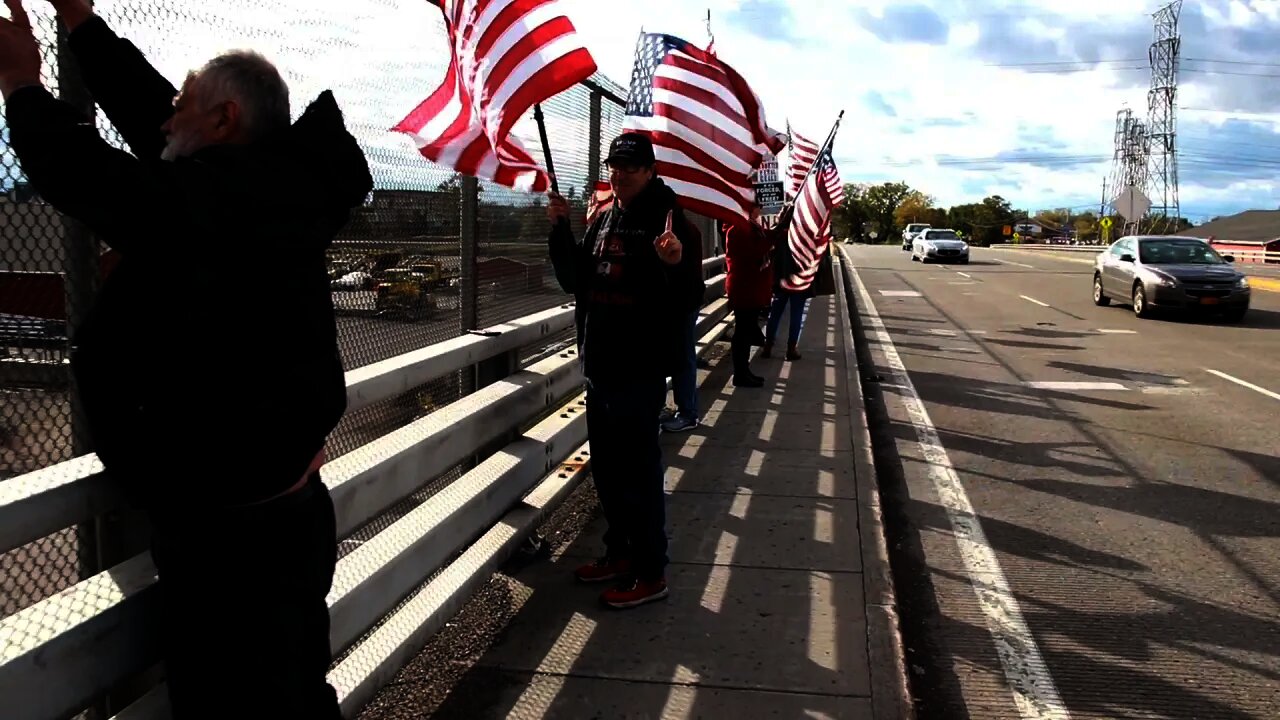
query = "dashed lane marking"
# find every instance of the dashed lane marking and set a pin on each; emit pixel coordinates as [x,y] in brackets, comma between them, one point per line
[1111,331]
[1034,692]
[1076,386]
[1245,383]
[900,293]
[963,274]
[1010,262]
[1033,300]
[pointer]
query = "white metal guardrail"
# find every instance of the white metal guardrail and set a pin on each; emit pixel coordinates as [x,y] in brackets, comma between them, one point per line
[64,652]
[1242,256]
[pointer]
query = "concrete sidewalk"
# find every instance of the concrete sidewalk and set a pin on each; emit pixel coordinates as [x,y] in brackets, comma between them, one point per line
[779,585]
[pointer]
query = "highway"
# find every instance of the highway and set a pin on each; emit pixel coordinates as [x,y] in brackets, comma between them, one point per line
[1084,507]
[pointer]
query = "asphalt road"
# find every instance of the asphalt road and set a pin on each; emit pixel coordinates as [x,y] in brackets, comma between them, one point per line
[1084,506]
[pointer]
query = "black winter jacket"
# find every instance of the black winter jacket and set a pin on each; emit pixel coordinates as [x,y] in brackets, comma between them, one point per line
[630,304]
[208,367]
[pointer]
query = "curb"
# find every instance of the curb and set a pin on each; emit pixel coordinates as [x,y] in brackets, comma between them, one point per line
[890,688]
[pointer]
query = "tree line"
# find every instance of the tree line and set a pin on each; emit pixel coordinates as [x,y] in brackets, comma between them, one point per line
[878,214]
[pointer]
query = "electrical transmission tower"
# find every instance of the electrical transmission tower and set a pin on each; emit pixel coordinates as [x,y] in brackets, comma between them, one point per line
[1162,116]
[1130,159]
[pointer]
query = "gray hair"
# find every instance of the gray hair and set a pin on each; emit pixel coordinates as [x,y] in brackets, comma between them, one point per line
[254,83]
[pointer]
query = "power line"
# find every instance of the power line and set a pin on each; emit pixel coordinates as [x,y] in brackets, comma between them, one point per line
[1228,72]
[1062,62]
[1233,62]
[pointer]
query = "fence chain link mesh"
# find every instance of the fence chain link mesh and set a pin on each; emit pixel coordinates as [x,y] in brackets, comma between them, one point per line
[395,269]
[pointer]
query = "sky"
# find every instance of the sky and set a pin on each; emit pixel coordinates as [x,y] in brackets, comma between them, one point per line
[958,98]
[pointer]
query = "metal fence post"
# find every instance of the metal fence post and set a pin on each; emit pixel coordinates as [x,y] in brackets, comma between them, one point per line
[79,247]
[119,535]
[593,142]
[469,292]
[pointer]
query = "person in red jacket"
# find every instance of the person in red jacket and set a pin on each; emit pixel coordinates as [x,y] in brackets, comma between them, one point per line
[749,285]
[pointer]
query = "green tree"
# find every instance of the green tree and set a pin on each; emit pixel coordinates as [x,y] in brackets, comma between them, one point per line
[850,219]
[913,208]
[984,222]
[1086,227]
[882,202]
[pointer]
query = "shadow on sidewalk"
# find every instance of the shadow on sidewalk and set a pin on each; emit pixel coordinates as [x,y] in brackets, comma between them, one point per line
[766,615]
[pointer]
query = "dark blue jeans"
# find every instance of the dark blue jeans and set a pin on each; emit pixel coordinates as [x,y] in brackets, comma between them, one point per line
[684,383]
[626,466]
[796,322]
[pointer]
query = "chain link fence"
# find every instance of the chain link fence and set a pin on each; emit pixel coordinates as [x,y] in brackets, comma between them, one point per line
[397,270]
[430,255]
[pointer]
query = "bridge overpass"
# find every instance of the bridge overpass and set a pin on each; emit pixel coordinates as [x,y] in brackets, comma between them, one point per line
[978,495]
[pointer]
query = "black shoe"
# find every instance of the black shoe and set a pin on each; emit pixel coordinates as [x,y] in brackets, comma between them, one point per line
[751,381]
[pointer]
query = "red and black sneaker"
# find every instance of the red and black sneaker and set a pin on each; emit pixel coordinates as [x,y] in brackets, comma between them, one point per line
[603,570]
[636,592]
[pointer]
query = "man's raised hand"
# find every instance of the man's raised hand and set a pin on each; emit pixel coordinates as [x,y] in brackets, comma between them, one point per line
[19,52]
[557,208]
[72,12]
[668,245]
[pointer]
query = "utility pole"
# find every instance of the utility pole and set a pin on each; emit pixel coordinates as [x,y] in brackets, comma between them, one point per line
[1102,205]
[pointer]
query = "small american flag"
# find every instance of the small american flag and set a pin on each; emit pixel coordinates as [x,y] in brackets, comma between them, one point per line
[802,152]
[707,126]
[505,56]
[810,231]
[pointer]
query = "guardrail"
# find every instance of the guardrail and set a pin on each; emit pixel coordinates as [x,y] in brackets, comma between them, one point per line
[65,652]
[1245,256]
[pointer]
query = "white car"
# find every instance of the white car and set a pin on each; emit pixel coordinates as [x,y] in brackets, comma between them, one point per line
[940,244]
[910,233]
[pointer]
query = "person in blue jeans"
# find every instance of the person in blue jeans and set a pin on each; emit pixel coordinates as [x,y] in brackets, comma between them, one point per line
[684,383]
[781,299]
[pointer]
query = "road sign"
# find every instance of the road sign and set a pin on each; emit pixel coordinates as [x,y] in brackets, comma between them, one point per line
[1008,230]
[1105,223]
[1131,203]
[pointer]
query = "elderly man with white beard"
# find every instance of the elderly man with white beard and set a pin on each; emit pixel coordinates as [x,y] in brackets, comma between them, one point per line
[208,404]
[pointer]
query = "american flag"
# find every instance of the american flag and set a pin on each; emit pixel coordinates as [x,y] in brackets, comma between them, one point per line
[810,231]
[802,153]
[707,126]
[505,56]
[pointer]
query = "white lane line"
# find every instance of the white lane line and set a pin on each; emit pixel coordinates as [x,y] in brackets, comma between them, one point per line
[963,274]
[1031,299]
[1109,331]
[1245,383]
[1034,691]
[1076,386]
[942,332]
[900,293]
[1010,262]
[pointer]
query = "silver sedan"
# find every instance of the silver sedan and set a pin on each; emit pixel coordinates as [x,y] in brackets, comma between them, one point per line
[1170,271]
[940,244]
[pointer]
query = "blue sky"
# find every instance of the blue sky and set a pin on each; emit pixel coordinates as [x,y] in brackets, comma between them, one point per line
[923,97]
[924,102]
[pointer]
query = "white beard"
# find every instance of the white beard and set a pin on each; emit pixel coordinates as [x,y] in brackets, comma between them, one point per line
[179,146]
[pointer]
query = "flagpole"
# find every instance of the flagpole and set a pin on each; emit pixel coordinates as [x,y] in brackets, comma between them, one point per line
[546,146]
[823,149]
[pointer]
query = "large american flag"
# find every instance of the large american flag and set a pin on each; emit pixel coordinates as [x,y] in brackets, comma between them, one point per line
[810,233]
[708,127]
[505,56]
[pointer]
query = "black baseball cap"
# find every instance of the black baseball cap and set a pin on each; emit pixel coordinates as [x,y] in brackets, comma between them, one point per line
[631,148]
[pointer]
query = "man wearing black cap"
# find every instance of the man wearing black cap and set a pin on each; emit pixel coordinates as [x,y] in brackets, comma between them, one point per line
[634,274]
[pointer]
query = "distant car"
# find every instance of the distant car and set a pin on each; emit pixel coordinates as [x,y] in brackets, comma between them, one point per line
[910,232]
[1151,272]
[941,244]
